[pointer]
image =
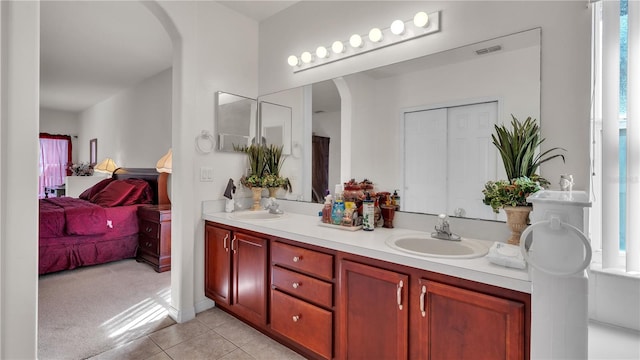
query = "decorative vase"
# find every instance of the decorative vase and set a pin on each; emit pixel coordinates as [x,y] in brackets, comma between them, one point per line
[517,220]
[273,191]
[257,196]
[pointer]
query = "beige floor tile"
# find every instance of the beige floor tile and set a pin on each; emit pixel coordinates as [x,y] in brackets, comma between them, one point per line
[206,346]
[140,349]
[264,348]
[237,354]
[214,317]
[160,356]
[238,332]
[178,333]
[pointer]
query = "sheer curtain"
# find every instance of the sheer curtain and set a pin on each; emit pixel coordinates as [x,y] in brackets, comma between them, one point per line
[55,156]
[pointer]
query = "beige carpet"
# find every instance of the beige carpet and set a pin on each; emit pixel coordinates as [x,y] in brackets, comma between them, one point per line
[86,311]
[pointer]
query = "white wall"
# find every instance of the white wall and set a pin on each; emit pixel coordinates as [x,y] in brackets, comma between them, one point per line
[61,122]
[133,127]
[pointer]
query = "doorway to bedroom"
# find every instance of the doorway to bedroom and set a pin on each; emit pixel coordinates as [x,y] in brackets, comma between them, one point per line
[105,73]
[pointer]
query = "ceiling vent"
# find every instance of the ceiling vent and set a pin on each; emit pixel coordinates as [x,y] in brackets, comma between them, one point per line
[489,50]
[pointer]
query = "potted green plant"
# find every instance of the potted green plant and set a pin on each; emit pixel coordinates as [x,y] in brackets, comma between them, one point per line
[518,147]
[272,180]
[257,165]
[264,163]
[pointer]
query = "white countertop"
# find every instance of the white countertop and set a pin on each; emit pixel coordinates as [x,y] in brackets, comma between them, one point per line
[305,229]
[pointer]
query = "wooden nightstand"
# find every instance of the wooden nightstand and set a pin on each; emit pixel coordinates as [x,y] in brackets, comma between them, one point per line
[154,239]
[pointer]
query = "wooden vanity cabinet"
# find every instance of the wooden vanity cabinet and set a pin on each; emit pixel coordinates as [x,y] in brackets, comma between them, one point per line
[373,308]
[236,272]
[302,297]
[457,323]
[328,304]
[391,311]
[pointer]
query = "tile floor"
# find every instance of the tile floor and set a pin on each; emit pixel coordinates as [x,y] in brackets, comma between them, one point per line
[214,334]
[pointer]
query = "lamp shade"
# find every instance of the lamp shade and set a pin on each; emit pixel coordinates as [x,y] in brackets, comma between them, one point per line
[106,166]
[165,163]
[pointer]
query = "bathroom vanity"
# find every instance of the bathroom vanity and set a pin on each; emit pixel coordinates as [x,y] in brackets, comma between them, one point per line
[328,293]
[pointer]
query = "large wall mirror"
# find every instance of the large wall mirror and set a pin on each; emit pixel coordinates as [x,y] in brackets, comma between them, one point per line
[421,126]
[235,120]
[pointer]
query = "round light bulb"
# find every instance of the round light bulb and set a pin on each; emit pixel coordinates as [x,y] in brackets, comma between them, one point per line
[306,57]
[375,35]
[421,19]
[337,47]
[293,60]
[355,41]
[322,52]
[397,27]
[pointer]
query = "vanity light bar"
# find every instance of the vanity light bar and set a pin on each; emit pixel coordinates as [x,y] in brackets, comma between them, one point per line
[376,38]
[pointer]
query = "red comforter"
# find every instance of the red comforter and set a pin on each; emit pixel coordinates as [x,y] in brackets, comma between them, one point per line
[62,216]
[75,232]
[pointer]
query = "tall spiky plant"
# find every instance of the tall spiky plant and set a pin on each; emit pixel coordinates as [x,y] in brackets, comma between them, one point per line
[256,159]
[274,159]
[518,148]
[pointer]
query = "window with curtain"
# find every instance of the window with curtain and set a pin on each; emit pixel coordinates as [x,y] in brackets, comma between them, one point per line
[615,216]
[55,156]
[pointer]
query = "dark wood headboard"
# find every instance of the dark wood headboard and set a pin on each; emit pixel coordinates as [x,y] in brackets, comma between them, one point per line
[150,175]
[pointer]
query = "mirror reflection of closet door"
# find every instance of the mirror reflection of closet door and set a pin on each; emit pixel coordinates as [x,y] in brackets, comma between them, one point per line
[448,157]
[320,167]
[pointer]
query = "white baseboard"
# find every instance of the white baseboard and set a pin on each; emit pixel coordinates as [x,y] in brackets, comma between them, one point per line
[204,305]
[181,316]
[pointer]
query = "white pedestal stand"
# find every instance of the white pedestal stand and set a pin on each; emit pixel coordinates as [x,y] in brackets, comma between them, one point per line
[557,254]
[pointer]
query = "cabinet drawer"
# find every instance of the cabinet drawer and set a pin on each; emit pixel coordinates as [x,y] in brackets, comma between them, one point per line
[150,229]
[306,324]
[308,288]
[149,244]
[309,261]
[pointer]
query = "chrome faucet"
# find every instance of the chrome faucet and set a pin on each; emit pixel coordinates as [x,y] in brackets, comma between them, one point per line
[273,206]
[443,231]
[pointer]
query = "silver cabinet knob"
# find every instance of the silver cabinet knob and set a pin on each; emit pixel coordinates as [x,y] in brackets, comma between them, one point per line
[295,285]
[297,258]
[295,318]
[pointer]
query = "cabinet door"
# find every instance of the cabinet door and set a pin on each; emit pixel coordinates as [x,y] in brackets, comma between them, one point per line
[373,313]
[250,277]
[217,262]
[464,324]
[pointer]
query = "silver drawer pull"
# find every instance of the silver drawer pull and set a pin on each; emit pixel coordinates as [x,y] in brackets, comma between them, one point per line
[297,258]
[295,318]
[399,294]
[148,244]
[224,242]
[148,229]
[296,285]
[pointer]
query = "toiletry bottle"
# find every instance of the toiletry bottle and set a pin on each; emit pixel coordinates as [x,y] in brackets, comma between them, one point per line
[326,210]
[368,221]
[337,211]
[395,199]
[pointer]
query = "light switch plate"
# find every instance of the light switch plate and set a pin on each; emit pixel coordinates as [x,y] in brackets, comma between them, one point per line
[206,173]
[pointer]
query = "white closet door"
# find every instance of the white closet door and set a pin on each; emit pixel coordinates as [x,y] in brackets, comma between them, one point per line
[425,161]
[471,158]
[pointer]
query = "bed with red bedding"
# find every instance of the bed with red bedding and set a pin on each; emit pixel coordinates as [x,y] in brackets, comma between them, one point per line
[99,226]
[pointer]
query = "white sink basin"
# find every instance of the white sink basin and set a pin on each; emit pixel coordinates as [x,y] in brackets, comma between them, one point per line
[255,215]
[425,245]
